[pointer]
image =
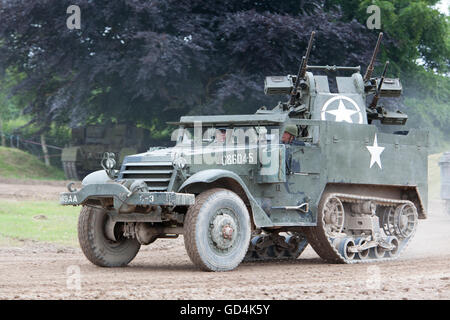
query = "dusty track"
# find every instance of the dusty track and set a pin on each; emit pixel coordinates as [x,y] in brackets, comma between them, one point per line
[164,271]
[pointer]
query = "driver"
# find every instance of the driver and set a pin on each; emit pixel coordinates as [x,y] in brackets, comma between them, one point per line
[289,135]
[220,135]
[290,132]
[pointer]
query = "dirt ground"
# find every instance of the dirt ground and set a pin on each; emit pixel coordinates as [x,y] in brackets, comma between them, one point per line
[163,270]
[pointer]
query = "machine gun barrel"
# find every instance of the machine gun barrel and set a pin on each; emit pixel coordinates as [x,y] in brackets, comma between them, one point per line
[369,70]
[297,82]
[302,70]
[306,58]
[374,102]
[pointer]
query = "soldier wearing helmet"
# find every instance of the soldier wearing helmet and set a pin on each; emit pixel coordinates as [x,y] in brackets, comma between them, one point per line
[289,135]
[288,138]
[290,132]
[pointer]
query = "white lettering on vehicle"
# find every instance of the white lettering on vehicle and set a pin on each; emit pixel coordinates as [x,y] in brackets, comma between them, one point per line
[147,198]
[237,159]
[69,198]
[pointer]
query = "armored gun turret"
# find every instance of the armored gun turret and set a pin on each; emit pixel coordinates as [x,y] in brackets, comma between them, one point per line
[316,97]
[237,190]
[90,142]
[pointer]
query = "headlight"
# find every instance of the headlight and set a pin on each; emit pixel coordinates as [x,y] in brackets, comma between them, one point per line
[179,163]
[108,163]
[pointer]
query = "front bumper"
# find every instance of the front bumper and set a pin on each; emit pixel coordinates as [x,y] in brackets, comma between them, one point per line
[121,195]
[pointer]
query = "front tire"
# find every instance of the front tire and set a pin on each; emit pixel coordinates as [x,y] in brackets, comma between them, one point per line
[97,247]
[217,230]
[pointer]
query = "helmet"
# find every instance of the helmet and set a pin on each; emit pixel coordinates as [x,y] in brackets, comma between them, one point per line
[292,129]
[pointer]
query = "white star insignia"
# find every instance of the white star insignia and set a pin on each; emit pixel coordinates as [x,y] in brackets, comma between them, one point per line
[342,113]
[375,152]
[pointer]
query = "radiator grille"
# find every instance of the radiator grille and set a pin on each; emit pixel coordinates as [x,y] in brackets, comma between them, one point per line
[155,174]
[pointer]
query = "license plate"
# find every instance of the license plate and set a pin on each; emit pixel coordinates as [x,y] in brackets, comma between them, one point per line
[68,198]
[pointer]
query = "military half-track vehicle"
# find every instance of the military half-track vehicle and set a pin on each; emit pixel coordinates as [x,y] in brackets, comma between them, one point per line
[88,144]
[237,190]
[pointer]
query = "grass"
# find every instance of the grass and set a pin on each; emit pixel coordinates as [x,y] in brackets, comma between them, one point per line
[15,163]
[44,221]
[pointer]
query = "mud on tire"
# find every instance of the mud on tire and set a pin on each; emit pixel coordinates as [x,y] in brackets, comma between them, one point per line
[96,247]
[207,237]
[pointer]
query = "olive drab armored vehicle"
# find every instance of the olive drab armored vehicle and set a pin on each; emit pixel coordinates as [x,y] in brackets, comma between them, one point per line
[90,142]
[238,190]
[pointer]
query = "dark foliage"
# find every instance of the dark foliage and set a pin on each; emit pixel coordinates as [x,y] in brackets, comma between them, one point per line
[146,60]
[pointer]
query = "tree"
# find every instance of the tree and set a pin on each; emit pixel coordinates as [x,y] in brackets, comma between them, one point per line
[420,56]
[141,61]
[420,31]
[152,61]
[9,106]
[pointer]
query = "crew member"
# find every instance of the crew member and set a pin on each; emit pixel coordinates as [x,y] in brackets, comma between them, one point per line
[220,135]
[290,133]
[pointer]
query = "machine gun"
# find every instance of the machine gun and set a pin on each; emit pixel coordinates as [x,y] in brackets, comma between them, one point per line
[393,89]
[369,70]
[301,71]
[376,97]
[301,105]
[382,87]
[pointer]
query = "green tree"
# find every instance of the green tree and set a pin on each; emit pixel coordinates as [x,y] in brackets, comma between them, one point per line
[418,47]
[151,61]
[419,33]
[9,104]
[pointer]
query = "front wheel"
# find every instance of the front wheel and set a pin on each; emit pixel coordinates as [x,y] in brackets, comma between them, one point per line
[217,230]
[97,247]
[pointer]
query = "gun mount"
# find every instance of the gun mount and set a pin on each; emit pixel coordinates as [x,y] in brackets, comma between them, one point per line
[308,95]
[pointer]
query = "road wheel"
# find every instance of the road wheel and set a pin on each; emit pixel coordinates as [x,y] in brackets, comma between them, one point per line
[298,244]
[217,230]
[97,247]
